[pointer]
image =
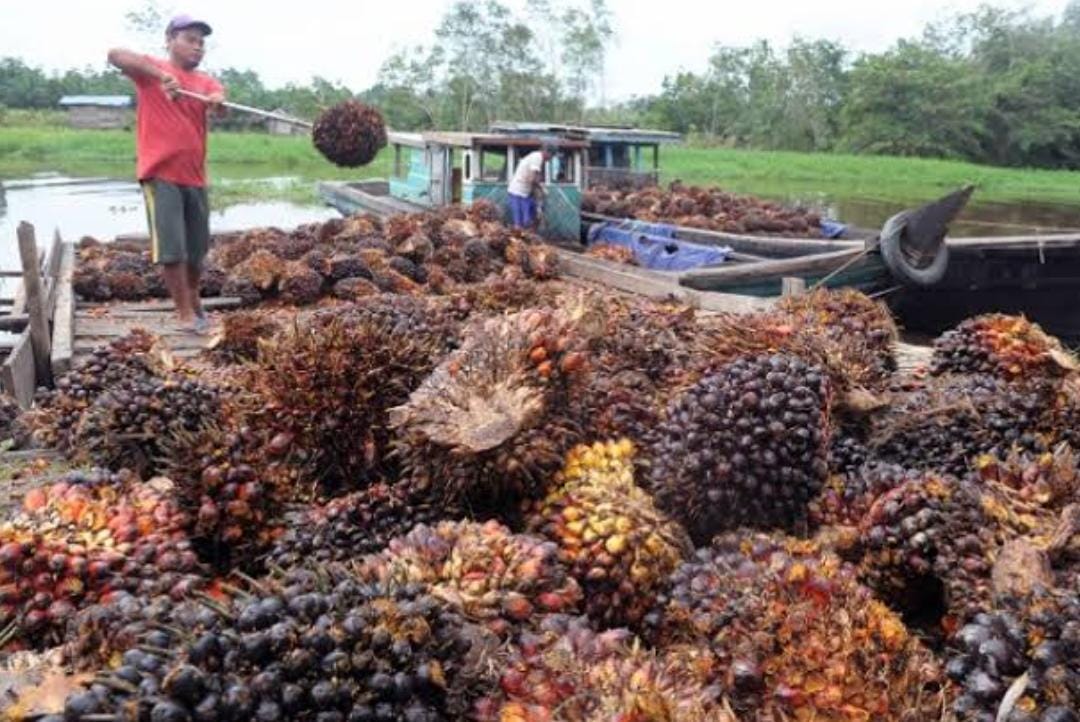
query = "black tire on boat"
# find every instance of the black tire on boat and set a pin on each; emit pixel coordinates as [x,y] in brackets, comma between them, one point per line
[892,237]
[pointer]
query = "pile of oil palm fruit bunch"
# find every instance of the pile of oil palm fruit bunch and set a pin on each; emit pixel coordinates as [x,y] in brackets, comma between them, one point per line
[514,501]
[439,252]
[124,271]
[699,207]
[349,134]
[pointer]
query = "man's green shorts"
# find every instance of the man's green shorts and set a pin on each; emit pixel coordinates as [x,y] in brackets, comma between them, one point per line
[179,219]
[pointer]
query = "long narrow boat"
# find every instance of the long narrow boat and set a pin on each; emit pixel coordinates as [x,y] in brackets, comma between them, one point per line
[1035,275]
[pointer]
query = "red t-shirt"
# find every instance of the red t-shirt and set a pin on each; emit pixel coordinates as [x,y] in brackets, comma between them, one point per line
[170,135]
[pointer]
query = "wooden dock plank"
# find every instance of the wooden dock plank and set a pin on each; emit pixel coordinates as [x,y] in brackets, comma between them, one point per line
[36,300]
[63,340]
[17,373]
[655,285]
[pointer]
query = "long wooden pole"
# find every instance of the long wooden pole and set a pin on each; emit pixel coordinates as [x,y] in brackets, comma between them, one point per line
[35,304]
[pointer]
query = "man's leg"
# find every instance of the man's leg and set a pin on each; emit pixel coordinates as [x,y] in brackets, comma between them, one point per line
[165,217]
[197,221]
[515,210]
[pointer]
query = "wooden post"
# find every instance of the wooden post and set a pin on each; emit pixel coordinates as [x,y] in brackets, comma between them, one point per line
[35,304]
[63,341]
[791,286]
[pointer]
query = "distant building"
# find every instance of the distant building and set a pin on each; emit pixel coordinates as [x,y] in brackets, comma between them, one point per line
[99,111]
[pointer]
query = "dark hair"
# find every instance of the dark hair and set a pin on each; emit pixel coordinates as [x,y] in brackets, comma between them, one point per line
[549,149]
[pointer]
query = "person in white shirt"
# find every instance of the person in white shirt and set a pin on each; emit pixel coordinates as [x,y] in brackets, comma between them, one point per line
[528,179]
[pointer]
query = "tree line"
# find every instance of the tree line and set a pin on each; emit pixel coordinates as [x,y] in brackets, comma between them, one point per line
[993,86]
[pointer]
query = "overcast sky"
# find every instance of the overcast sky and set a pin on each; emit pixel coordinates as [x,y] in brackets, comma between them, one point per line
[347,40]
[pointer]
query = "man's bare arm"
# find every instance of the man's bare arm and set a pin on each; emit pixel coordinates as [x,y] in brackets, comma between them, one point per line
[136,65]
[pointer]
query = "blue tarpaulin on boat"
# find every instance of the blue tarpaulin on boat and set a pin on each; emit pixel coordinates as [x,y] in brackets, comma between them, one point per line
[655,246]
[832,229]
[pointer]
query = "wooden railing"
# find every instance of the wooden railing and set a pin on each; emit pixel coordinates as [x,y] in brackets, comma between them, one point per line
[42,315]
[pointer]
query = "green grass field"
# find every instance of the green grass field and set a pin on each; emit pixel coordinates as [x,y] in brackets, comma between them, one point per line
[240,161]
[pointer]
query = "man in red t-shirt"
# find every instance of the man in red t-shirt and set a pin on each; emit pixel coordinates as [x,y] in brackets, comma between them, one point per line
[170,149]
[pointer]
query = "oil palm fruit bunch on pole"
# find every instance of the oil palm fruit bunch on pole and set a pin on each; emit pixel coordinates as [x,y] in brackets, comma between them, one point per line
[490,423]
[486,572]
[349,134]
[744,446]
[1010,347]
[618,546]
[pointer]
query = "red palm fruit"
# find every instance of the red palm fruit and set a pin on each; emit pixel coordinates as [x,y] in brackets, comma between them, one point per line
[44,580]
[11,554]
[98,569]
[77,566]
[60,611]
[279,445]
[34,620]
[35,499]
[58,562]
[41,600]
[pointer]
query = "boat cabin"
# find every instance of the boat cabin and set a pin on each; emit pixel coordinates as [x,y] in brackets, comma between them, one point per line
[434,169]
[619,156]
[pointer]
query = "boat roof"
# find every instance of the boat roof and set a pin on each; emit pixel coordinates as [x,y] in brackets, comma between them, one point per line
[593,133]
[461,139]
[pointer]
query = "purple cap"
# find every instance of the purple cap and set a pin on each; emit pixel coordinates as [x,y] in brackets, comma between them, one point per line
[183,22]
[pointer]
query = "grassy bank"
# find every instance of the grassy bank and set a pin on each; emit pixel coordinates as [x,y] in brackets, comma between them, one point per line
[779,173]
[238,162]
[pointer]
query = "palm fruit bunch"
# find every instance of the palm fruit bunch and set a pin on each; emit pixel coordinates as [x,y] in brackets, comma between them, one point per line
[115,271]
[846,498]
[795,636]
[1019,662]
[9,416]
[489,574]
[638,355]
[746,446]
[349,134]
[703,207]
[610,535]
[928,549]
[1010,347]
[82,538]
[240,334]
[856,325]
[99,635]
[490,424]
[56,414]
[301,648]
[945,423]
[328,382]
[125,425]
[1051,478]
[612,252]
[262,269]
[300,285]
[227,480]
[351,526]
[509,291]
[567,671]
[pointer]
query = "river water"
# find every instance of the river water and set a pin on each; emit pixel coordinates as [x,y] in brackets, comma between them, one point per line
[104,208]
